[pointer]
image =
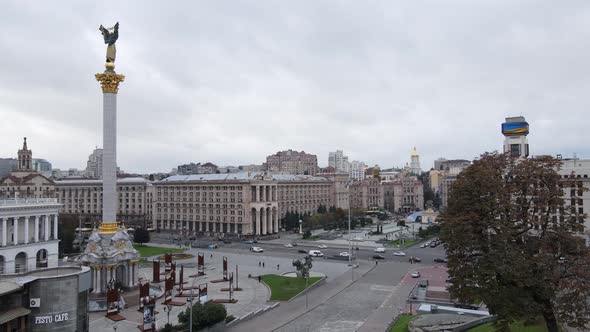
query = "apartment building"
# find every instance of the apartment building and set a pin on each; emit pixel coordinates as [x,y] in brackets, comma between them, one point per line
[292,162]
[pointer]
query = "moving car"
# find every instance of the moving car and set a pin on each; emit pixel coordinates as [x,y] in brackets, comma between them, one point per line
[423,283]
[316,253]
[322,246]
[379,250]
[378,257]
[256,249]
[302,251]
[294,244]
[399,253]
[415,274]
[288,245]
[441,260]
[344,254]
[251,241]
[414,259]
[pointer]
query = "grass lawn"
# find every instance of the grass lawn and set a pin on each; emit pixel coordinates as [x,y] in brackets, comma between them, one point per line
[518,326]
[284,288]
[147,251]
[402,323]
[406,243]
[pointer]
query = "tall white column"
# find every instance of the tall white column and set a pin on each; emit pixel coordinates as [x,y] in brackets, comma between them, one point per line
[257,221]
[257,190]
[263,220]
[27,229]
[4,231]
[55,219]
[109,158]
[46,238]
[36,228]
[15,230]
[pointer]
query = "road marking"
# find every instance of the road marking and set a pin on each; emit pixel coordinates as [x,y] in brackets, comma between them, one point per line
[382,288]
[341,326]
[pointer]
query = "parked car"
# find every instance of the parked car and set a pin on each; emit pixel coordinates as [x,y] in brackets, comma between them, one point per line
[378,257]
[415,274]
[433,245]
[344,254]
[423,245]
[399,253]
[288,245]
[256,249]
[213,246]
[227,241]
[423,283]
[414,259]
[323,246]
[441,260]
[316,253]
[192,238]
[379,250]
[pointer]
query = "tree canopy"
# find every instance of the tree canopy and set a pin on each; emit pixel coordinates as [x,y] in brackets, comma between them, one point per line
[514,241]
[141,236]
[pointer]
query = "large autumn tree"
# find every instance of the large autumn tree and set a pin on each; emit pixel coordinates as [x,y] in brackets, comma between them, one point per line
[513,233]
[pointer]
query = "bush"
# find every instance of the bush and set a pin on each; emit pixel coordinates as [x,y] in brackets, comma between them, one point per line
[141,236]
[204,315]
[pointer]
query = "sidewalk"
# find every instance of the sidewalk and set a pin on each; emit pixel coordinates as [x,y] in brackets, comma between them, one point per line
[291,310]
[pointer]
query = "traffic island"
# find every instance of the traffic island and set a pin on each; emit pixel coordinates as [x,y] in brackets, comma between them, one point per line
[284,288]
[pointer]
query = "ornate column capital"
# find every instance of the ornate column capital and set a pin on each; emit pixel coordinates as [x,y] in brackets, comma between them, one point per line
[109,81]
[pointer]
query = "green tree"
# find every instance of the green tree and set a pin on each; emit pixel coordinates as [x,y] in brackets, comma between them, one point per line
[204,315]
[514,242]
[141,236]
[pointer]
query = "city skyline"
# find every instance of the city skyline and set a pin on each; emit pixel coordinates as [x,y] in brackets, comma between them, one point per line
[234,84]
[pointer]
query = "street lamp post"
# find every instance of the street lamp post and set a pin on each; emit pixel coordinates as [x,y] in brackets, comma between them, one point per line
[167,309]
[190,300]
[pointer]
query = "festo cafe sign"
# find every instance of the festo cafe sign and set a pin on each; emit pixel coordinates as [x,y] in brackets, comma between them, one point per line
[56,318]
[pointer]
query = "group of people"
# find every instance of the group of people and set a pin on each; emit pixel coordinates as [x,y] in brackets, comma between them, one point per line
[261,264]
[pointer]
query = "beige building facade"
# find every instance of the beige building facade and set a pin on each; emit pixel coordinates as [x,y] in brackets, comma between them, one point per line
[303,193]
[367,194]
[292,162]
[83,198]
[214,204]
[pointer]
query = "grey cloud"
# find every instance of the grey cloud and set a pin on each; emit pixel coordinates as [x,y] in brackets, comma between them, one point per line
[231,82]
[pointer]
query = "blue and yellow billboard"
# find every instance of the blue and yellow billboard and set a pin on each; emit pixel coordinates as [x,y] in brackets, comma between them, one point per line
[515,128]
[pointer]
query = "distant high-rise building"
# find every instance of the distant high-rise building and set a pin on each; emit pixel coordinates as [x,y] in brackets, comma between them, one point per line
[42,166]
[339,161]
[357,170]
[7,165]
[415,163]
[94,164]
[292,162]
[515,131]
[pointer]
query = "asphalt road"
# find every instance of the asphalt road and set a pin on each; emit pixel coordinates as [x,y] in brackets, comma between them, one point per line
[278,249]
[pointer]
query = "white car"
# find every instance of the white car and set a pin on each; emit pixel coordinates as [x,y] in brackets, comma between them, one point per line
[344,254]
[379,250]
[316,253]
[399,253]
[288,245]
[256,249]
[322,246]
[423,245]
[415,274]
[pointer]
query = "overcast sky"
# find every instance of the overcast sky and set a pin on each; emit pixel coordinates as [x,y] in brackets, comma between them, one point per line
[233,81]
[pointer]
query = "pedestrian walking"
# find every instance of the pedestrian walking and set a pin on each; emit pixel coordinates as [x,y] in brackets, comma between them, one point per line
[277,266]
[262,264]
[259,264]
[259,278]
[211,256]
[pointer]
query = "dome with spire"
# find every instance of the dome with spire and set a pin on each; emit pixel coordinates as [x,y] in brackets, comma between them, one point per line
[414,153]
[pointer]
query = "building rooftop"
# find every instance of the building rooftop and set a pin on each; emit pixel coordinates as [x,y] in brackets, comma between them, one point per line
[99,181]
[240,176]
[27,201]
